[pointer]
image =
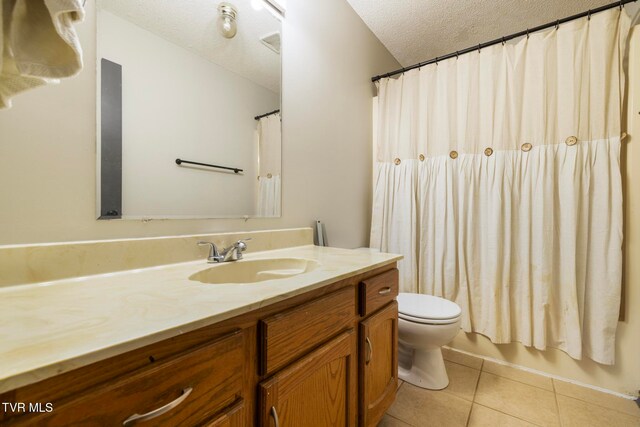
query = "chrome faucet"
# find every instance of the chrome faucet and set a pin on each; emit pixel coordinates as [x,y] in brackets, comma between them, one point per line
[214,255]
[232,253]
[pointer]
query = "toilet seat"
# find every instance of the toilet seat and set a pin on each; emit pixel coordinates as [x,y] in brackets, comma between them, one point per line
[427,309]
[428,321]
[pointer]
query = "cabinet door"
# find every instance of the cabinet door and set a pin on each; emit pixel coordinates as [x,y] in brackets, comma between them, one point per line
[378,364]
[318,390]
[233,417]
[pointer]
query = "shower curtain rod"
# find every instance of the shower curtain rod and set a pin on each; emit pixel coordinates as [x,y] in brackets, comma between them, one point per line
[266,114]
[504,39]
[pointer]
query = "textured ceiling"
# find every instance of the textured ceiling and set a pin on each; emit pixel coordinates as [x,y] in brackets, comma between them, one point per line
[191,24]
[418,30]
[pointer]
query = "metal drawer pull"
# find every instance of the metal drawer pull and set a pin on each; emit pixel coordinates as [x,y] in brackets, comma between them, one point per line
[370,352]
[157,412]
[274,414]
[384,291]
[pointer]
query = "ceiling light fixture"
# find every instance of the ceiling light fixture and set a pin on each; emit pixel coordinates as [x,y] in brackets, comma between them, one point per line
[227,24]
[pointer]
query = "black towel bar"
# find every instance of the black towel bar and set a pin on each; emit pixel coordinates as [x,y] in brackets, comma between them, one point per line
[235,170]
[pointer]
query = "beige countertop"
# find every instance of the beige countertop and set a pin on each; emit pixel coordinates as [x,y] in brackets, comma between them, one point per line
[53,327]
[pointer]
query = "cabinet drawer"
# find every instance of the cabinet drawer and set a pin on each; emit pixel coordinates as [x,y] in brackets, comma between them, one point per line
[182,391]
[292,333]
[377,291]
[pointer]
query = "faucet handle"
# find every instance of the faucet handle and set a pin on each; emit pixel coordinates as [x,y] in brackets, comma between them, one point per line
[234,252]
[241,245]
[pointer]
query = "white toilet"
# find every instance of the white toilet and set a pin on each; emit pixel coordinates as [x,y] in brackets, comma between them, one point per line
[425,324]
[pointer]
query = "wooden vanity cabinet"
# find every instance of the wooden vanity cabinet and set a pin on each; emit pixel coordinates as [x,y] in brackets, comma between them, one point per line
[324,358]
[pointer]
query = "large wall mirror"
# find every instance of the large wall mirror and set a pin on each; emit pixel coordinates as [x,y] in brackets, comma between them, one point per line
[189,122]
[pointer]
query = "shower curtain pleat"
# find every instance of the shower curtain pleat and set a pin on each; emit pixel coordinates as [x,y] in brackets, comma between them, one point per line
[270,153]
[479,186]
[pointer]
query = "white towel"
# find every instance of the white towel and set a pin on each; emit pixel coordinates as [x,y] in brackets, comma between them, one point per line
[39,44]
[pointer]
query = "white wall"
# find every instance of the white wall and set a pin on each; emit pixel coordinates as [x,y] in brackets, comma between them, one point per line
[47,141]
[177,104]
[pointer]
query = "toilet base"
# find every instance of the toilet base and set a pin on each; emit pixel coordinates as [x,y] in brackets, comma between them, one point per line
[422,368]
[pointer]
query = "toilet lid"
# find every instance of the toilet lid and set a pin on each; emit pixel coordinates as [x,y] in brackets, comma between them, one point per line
[427,307]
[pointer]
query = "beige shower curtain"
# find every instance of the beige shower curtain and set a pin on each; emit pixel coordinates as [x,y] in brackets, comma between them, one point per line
[269,149]
[498,178]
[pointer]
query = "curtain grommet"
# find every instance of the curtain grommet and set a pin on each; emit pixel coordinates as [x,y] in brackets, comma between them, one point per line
[488,151]
[453,154]
[572,140]
[269,176]
[526,147]
[421,157]
[397,161]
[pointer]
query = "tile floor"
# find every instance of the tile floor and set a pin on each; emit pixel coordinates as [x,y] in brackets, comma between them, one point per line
[483,393]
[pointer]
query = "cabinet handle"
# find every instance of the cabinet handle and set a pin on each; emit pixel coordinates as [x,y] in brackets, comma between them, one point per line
[157,412]
[370,352]
[274,414]
[384,291]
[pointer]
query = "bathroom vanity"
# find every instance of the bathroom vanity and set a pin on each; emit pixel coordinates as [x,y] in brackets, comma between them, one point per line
[319,348]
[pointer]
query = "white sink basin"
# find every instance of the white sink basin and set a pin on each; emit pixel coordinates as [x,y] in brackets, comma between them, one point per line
[252,271]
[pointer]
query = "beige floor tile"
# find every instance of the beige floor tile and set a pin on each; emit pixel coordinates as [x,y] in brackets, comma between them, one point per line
[578,413]
[620,404]
[389,421]
[424,408]
[517,375]
[400,382]
[462,380]
[461,358]
[520,400]
[481,416]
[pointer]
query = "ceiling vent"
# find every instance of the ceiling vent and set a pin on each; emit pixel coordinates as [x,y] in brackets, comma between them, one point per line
[272,41]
